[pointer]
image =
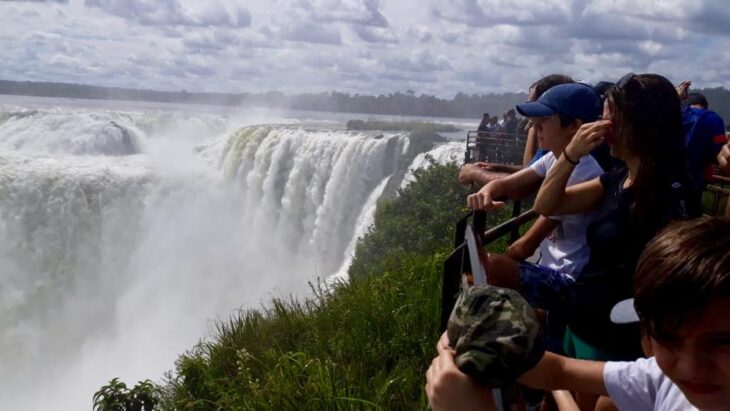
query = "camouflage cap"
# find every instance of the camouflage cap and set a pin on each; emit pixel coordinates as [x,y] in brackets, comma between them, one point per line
[495,334]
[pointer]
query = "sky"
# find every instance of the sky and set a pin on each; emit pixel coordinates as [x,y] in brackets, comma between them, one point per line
[435,47]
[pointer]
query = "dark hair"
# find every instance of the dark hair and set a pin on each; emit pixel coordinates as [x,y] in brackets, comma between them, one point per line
[601,88]
[697,99]
[549,81]
[647,118]
[565,120]
[681,270]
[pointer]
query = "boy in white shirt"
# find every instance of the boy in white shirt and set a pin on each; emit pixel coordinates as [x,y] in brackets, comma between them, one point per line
[682,298]
[556,116]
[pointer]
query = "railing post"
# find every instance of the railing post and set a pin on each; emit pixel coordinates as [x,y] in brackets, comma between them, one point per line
[516,211]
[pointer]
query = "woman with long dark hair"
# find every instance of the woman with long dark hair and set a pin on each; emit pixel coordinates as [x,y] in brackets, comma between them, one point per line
[643,126]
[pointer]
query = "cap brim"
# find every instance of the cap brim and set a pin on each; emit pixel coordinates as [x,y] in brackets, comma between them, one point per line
[534,109]
[624,313]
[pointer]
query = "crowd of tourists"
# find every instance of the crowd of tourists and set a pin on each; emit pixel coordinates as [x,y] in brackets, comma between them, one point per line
[633,280]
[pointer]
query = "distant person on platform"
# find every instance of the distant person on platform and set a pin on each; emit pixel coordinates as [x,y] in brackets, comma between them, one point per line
[484,124]
[493,125]
[704,132]
[509,122]
[481,173]
[481,141]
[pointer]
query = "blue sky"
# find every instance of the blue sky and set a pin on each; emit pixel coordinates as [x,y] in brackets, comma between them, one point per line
[361,46]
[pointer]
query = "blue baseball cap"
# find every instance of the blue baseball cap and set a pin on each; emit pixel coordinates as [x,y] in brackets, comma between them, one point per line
[575,100]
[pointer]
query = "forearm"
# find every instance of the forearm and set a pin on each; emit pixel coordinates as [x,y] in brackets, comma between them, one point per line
[555,372]
[526,245]
[519,185]
[552,191]
[480,177]
[476,174]
[723,159]
[510,168]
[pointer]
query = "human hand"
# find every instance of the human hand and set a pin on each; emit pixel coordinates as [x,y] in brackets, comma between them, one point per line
[443,343]
[683,89]
[447,388]
[467,173]
[483,200]
[588,137]
[723,159]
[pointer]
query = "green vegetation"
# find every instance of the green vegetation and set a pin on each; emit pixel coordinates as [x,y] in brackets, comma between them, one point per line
[361,345]
[417,126]
[117,397]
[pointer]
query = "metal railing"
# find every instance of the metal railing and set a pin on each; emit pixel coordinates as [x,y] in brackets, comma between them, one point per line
[494,147]
[718,188]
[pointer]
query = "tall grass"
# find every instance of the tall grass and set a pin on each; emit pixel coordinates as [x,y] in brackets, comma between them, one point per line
[359,346]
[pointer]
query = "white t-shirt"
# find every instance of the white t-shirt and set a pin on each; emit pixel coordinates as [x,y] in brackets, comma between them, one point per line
[565,249]
[641,386]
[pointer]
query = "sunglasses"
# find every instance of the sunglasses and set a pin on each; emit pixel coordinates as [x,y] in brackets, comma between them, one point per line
[625,80]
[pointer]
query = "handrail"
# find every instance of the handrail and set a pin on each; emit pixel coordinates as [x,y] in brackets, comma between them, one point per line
[483,144]
[718,188]
[508,226]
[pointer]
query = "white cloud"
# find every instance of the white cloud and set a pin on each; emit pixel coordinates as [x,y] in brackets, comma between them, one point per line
[492,12]
[364,12]
[176,12]
[367,46]
[311,33]
[375,34]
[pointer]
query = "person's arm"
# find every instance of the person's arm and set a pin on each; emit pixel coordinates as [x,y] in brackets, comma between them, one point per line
[530,147]
[507,168]
[479,173]
[447,388]
[718,138]
[526,245]
[554,198]
[514,186]
[555,372]
[723,159]
[683,89]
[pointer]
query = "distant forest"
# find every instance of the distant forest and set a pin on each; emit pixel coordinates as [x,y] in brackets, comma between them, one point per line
[400,103]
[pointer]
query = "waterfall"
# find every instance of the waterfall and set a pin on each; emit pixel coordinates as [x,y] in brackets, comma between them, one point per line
[116,252]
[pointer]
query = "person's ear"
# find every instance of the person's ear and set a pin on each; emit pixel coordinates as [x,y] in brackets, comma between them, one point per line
[574,126]
[646,346]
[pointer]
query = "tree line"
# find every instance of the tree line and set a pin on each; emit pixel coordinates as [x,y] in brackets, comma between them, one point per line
[408,103]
